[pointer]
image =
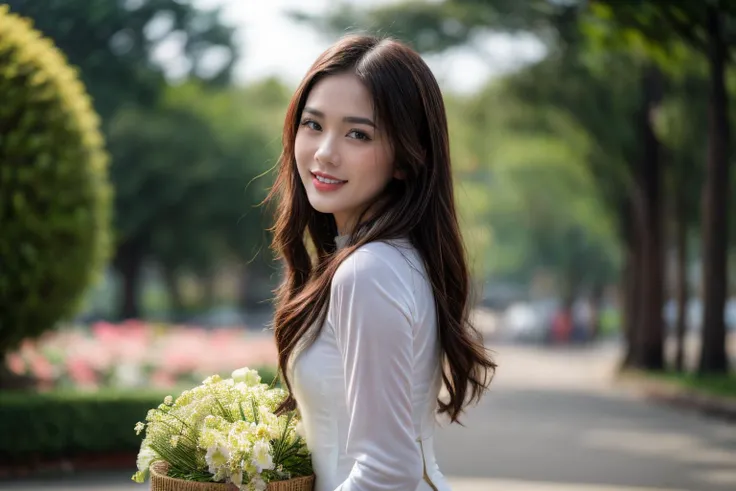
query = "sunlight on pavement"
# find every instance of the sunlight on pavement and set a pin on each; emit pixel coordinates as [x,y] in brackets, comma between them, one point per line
[681,447]
[541,368]
[464,484]
[670,445]
[719,477]
[644,442]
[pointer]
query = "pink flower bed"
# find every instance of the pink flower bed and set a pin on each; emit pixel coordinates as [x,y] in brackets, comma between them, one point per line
[138,354]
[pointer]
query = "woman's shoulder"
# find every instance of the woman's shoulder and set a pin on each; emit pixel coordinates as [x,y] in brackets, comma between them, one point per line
[376,277]
[380,260]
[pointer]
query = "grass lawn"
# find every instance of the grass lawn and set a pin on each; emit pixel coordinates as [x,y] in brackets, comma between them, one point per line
[673,383]
[718,385]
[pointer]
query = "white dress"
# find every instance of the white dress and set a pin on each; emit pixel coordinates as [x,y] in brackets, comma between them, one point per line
[367,387]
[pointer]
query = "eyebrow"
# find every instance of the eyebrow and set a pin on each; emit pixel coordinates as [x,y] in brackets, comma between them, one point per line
[346,119]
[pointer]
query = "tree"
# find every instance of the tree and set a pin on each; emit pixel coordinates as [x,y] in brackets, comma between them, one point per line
[172,149]
[54,189]
[707,27]
[534,190]
[113,45]
[246,123]
[615,114]
[681,125]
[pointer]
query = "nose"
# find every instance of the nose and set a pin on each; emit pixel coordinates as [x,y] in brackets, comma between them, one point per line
[327,152]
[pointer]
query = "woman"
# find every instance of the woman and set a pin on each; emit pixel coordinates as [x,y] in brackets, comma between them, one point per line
[372,316]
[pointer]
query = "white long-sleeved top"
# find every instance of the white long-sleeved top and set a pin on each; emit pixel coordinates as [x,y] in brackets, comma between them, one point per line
[367,387]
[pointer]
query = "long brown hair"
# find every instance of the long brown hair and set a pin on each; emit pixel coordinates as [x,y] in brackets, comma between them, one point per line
[421,205]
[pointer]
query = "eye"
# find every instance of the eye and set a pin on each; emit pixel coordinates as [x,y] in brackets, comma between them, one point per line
[358,135]
[311,124]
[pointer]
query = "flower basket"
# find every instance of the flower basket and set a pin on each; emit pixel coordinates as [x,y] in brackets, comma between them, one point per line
[161,482]
[221,434]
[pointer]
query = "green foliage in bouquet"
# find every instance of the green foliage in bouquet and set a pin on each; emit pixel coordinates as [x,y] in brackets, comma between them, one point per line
[55,196]
[225,430]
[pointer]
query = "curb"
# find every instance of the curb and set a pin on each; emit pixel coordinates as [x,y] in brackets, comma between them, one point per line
[36,467]
[672,394]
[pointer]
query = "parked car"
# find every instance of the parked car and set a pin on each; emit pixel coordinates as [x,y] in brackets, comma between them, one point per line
[527,321]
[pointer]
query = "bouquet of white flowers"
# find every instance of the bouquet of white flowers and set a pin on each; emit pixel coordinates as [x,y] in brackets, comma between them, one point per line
[225,431]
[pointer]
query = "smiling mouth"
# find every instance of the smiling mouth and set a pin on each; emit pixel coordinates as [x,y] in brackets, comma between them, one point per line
[326,180]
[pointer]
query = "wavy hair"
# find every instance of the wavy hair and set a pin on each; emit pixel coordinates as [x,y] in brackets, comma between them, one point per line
[420,206]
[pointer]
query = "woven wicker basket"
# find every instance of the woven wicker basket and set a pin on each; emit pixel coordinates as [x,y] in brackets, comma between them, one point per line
[305,483]
[161,482]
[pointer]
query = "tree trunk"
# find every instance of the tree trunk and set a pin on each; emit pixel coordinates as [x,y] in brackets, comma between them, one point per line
[713,357]
[244,293]
[681,276]
[129,262]
[209,289]
[631,294]
[596,301]
[571,282]
[628,291]
[650,333]
[176,297]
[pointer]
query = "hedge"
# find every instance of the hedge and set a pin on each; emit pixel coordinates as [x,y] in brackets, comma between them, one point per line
[65,423]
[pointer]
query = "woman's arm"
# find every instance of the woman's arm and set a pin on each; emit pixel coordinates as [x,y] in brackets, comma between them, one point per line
[371,314]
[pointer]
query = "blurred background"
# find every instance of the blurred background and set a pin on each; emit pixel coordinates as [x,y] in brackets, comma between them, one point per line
[592,154]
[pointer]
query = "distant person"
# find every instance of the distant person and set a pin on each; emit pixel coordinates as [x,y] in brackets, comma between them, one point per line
[562,325]
[373,313]
[582,320]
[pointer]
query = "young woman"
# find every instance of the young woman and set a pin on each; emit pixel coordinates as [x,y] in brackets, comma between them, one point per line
[372,318]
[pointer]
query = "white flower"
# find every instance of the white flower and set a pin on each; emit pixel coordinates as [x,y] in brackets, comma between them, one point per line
[262,455]
[146,456]
[212,379]
[139,426]
[217,457]
[168,400]
[220,475]
[247,376]
[237,477]
[239,432]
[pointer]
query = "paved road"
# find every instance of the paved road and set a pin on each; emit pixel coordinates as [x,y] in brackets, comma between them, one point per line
[552,422]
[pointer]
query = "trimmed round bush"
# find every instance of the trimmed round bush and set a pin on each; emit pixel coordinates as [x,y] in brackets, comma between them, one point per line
[55,195]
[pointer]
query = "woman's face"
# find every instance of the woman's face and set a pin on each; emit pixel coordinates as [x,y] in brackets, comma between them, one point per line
[343,156]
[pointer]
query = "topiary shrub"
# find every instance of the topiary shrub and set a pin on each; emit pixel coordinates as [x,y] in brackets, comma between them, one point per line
[54,191]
